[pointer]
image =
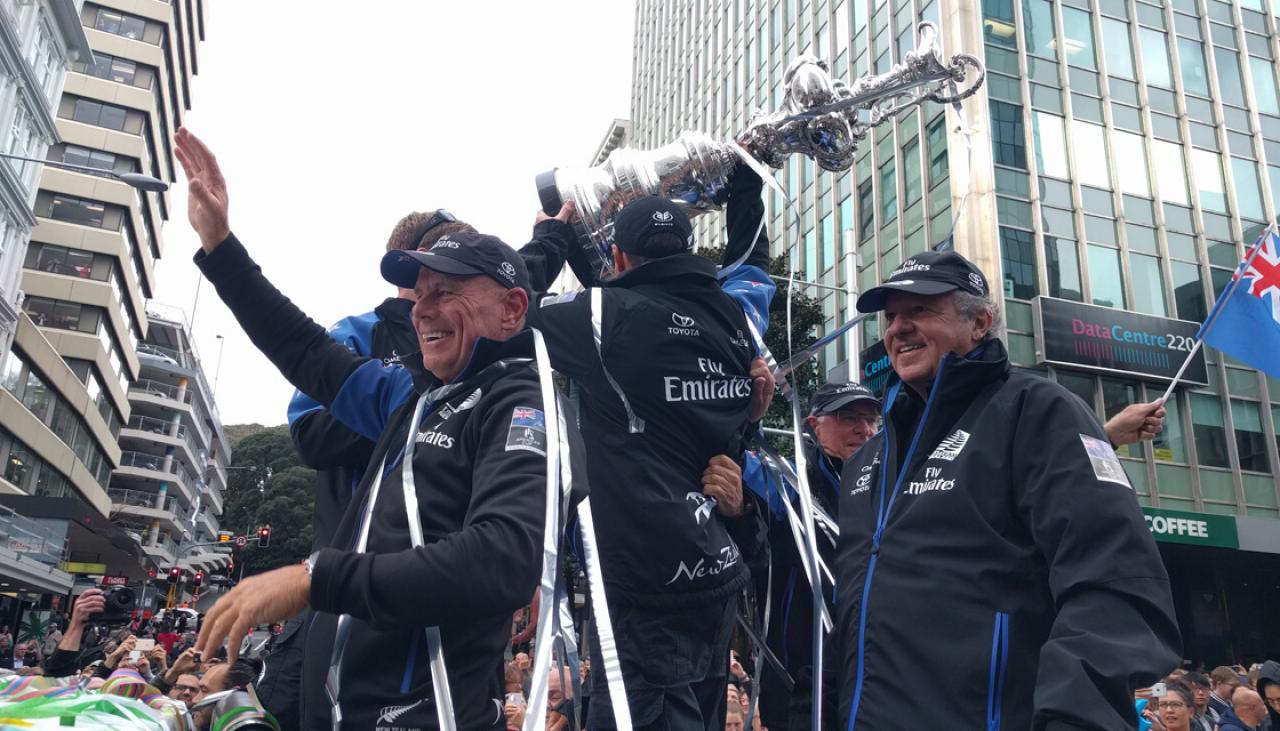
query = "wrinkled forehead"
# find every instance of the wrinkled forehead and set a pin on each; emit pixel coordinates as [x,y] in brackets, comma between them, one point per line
[430,279]
[896,302]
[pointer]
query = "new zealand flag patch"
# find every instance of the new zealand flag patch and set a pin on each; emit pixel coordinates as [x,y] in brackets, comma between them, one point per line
[528,431]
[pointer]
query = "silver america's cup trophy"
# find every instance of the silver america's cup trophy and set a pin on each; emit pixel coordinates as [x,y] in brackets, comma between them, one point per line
[820,117]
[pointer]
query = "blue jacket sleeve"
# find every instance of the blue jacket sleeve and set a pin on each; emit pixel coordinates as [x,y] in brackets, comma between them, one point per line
[301,349]
[768,488]
[753,289]
[319,438]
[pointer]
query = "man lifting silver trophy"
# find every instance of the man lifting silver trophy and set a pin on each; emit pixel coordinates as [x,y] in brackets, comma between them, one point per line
[820,117]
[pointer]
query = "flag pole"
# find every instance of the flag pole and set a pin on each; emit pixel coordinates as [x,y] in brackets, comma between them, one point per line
[1217,308]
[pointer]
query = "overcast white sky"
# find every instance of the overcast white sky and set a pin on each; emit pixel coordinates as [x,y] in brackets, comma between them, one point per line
[332,122]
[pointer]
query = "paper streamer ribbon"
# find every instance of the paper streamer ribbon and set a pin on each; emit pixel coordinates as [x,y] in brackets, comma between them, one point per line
[604,624]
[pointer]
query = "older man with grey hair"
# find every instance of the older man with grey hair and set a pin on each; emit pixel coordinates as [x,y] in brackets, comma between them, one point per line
[989,529]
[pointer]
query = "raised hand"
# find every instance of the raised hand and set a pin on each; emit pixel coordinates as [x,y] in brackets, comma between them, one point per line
[206,189]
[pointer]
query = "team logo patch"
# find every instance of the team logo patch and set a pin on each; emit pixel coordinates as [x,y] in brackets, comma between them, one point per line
[950,448]
[662,216]
[508,270]
[528,431]
[1106,465]
[976,281]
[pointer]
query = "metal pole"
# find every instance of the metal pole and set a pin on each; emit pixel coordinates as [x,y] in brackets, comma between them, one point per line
[853,344]
[222,342]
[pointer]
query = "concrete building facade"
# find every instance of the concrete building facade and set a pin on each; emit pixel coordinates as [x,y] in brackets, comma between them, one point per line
[80,381]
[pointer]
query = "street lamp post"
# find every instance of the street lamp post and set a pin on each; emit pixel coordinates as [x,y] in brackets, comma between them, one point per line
[142,182]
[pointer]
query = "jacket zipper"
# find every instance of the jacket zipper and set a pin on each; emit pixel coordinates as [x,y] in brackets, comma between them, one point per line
[995,678]
[882,518]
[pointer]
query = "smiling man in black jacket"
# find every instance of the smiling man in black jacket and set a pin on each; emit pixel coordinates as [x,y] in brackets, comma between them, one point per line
[989,539]
[449,527]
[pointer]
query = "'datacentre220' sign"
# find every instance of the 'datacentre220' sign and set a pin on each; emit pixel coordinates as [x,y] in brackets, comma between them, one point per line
[1117,341]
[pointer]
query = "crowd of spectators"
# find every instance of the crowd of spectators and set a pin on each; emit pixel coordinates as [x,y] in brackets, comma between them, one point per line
[1227,698]
[162,653]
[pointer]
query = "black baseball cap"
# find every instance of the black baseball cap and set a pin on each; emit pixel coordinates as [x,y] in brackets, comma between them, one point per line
[831,397]
[928,273]
[643,218]
[462,254]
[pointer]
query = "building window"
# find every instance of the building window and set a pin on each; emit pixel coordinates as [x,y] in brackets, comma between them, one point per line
[1105,285]
[1116,395]
[113,68]
[88,157]
[1089,143]
[1051,149]
[1018,257]
[1169,445]
[1131,163]
[1008,135]
[937,139]
[1155,57]
[997,22]
[1063,265]
[102,115]
[1264,87]
[1208,431]
[1037,26]
[1248,195]
[1080,384]
[888,191]
[71,262]
[1251,440]
[1148,285]
[866,212]
[1208,179]
[1170,172]
[47,58]
[1118,48]
[1228,76]
[77,210]
[63,315]
[1191,56]
[121,24]
[1077,32]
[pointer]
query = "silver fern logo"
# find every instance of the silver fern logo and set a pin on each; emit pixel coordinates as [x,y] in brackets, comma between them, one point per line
[702,513]
[389,714]
[950,448]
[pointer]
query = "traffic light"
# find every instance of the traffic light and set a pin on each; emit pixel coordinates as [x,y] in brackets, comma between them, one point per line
[264,536]
[225,536]
[175,575]
[198,580]
[231,564]
[151,572]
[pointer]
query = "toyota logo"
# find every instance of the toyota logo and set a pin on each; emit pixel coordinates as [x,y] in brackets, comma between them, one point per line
[508,270]
[682,321]
[663,216]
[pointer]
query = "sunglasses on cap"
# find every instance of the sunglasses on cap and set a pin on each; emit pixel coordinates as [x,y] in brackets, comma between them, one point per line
[437,218]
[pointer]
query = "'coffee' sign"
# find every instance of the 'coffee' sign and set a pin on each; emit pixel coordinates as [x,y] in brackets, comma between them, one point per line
[1116,341]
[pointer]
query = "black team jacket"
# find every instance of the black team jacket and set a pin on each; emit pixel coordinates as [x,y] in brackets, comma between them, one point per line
[479,467]
[993,570]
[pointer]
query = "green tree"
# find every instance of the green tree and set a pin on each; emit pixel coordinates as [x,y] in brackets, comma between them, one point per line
[269,487]
[806,316]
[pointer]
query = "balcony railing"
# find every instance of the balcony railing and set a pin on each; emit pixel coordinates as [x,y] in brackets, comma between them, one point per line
[157,426]
[141,499]
[163,390]
[161,353]
[144,461]
[25,536]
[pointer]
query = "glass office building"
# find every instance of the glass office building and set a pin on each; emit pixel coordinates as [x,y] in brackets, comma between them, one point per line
[1119,160]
